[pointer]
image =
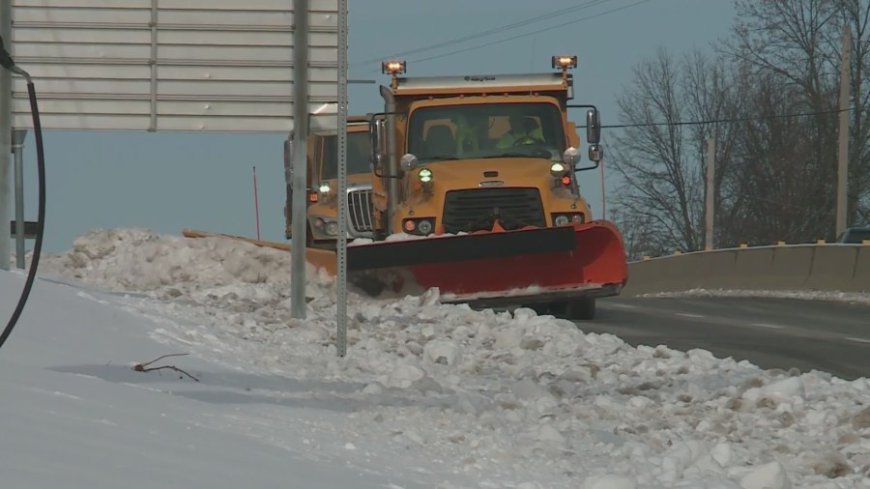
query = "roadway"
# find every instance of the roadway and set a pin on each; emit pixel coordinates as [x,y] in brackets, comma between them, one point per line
[771,333]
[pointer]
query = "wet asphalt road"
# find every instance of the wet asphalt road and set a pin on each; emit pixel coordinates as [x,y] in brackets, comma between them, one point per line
[771,333]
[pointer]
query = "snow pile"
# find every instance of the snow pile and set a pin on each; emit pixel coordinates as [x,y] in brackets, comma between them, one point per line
[505,397]
[824,295]
[137,260]
[404,237]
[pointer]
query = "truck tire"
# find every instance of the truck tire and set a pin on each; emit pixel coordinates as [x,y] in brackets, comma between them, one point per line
[583,309]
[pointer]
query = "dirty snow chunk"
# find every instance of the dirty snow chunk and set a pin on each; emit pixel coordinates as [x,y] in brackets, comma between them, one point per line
[767,476]
[786,390]
[404,375]
[550,435]
[789,388]
[861,420]
[609,481]
[528,390]
[440,351]
[721,453]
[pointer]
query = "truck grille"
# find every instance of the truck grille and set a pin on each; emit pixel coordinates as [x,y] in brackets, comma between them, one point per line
[476,209]
[359,210]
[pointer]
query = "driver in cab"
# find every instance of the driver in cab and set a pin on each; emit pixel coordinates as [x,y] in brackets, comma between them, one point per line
[523,131]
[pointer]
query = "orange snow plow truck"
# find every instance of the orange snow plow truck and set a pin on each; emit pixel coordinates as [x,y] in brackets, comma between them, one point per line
[475,193]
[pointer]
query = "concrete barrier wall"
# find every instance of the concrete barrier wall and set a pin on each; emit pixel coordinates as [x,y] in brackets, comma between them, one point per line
[861,277]
[834,267]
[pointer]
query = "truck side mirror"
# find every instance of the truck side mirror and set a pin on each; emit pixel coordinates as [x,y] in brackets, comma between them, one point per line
[593,127]
[378,140]
[596,152]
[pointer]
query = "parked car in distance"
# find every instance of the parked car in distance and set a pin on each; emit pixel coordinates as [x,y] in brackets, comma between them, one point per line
[855,235]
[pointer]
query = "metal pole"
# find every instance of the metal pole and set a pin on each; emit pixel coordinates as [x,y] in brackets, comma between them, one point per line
[300,134]
[711,194]
[341,247]
[5,133]
[18,149]
[603,193]
[843,136]
[256,203]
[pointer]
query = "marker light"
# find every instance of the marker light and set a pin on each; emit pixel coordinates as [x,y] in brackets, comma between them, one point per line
[425,175]
[564,62]
[424,226]
[393,67]
[566,180]
[557,169]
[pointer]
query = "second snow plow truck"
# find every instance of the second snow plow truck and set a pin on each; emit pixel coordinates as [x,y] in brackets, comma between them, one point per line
[483,203]
[322,185]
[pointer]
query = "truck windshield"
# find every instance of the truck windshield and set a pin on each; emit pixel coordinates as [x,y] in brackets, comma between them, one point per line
[358,153]
[486,131]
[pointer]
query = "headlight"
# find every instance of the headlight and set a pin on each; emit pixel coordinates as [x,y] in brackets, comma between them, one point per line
[324,227]
[324,188]
[425,175]
[419,226]
[564,218]
[557,169]
[424,226]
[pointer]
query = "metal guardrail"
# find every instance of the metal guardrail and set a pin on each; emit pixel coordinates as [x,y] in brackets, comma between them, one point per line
[801,266]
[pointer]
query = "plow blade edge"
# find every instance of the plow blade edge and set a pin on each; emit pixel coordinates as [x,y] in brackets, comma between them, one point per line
[520,267]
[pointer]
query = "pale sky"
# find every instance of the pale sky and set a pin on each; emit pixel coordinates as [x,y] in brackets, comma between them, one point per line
[169,181]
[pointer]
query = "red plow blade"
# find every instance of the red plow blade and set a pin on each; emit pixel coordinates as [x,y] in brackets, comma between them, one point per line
[520,267]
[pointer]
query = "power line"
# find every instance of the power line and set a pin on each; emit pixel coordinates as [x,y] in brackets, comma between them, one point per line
[494,30]
[719,121]
[527,34]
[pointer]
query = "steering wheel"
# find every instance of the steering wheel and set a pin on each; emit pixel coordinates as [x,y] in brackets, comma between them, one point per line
[538,148]
[525,141]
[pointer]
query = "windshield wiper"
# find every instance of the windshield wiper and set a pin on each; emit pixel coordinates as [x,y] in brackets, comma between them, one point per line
[442,158]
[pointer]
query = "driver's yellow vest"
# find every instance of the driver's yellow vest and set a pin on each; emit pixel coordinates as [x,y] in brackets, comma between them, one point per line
[508,139]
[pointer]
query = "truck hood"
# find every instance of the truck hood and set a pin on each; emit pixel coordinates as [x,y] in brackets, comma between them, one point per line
[507,172]
[353,179]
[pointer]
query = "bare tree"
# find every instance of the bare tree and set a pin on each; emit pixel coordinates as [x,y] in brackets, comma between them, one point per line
[712,95]
[799,43]
[775,172]
[662,161]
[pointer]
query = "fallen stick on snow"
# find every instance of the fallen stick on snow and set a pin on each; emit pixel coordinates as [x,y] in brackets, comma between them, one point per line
[143,367]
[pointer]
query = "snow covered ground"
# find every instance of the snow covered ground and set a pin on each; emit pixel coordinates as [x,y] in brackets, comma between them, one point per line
[429,395]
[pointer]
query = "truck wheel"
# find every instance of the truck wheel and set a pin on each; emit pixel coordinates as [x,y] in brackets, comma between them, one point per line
[581,308]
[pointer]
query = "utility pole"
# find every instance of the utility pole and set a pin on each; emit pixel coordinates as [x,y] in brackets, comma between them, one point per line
[711,194]
[843,146]
[5,136]
[299,165]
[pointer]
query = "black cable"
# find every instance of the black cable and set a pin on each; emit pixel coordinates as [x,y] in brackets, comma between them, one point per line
[527,34]
[495,30]
[7,62]
[519,36]
[720,121]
